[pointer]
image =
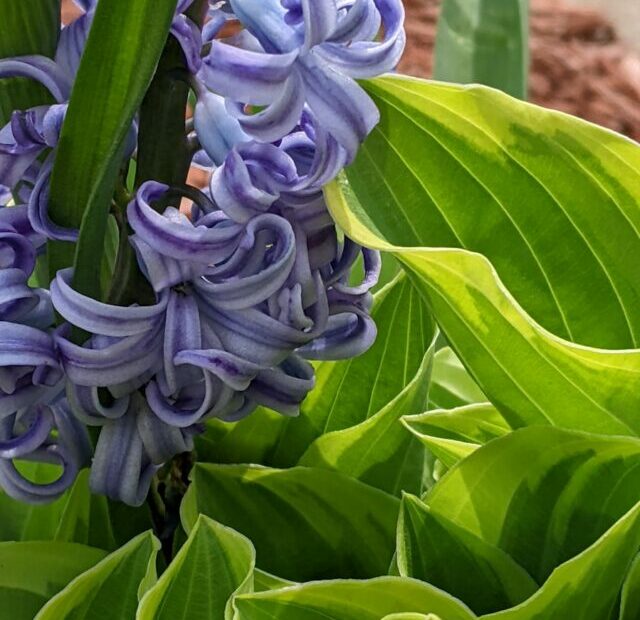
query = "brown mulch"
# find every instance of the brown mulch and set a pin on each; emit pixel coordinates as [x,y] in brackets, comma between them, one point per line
[578,64]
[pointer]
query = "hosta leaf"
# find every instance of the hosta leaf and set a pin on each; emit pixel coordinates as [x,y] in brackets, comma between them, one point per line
[32,572]
[77,516]
[433,549]
[350,600]
[111,589]
[346,393]
[411,616]
[453,434]
[451,385]
[119,60]
[27,28]
[214,564]
[459,167]
[485,42]
[379,451]
[630,603]
[263,581]
[587,586]
[532,376]
[541,494]
[305,523]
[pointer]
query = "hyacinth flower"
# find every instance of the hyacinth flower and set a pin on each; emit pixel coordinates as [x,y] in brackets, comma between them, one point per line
[230,331]
[306,52]
[250,284]
[35,423]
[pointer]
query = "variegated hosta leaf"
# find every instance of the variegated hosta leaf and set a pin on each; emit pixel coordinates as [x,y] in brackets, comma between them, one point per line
[561,504]
[459,167]
[453,434]
[112,588]
[77,516]
[214,564]
[352,600]
[451,385]
[432,548]
[32,572]
[305,523]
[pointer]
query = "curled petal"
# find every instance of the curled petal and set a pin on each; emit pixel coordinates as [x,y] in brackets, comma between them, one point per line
[111,364]
[18,487]
[13,446]
[360,21]
[247,76]
[285,387]
[190,39]
[88,406]
[362,59]
[26,346]
[16,298]
[266,267]
[18,218]
[279,117]
[184,241]
[217,131]
[39,206]
[99,318]
[320,21]
[347,335]
[73,39]
[339,104]
[265,19]
[121,469]
[161,441]
[42,70]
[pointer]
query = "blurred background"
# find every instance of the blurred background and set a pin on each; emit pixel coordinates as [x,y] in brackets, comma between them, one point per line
[585,56]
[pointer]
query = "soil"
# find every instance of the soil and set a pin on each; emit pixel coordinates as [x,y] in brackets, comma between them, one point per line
[578,63]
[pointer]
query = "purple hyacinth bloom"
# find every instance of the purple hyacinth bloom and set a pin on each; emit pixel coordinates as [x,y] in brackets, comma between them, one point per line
[306,52]
[239,306]
[35,423]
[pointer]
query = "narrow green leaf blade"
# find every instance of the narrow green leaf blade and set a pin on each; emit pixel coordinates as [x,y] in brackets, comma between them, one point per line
[351,600]
[433,549]
[27,28]
[111,589]
[120,57]
[484,42]
[305,523]
[33,572]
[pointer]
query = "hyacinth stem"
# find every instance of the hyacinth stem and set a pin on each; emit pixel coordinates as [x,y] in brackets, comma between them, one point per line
[164,154]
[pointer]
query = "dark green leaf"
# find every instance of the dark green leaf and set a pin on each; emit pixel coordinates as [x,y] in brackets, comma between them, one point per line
[433,549]
[32,572]
[27,28]
[111,589]
[124,45]
[305,523]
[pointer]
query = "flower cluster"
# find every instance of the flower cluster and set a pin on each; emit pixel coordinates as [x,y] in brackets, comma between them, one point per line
[251,282]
